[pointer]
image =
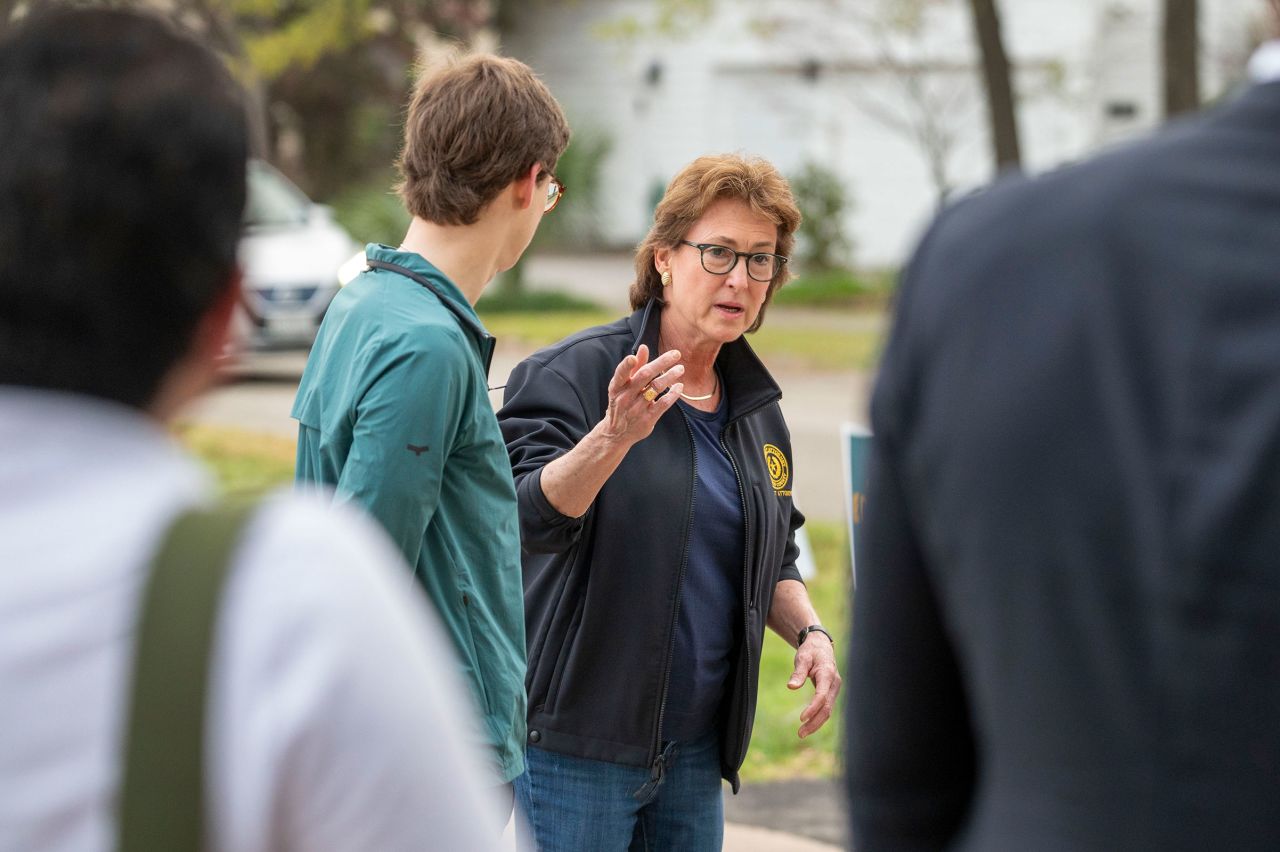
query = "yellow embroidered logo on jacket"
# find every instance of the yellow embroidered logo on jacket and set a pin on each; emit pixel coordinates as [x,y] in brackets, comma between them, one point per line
[779,470]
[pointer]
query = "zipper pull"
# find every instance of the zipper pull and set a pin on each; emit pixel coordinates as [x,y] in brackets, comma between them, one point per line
[657,772]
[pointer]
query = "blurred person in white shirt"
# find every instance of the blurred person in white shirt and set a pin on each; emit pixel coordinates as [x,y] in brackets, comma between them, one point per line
[332,718]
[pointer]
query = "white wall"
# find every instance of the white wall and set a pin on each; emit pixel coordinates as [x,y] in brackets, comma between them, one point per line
[734,83]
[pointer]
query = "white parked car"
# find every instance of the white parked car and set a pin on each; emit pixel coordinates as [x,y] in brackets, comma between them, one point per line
[291,252]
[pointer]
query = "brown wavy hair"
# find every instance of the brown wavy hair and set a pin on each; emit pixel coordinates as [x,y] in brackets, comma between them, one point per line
[699,185]
[474,125]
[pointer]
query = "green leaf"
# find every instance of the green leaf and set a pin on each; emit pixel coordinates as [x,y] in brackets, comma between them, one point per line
[326,26]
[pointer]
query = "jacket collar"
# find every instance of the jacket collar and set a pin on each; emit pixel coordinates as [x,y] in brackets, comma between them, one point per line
[417,268]
[747,383]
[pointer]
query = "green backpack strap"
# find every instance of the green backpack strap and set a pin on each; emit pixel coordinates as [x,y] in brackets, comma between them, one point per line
[162,794]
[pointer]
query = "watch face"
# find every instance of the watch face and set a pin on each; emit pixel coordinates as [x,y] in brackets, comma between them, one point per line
[813,628]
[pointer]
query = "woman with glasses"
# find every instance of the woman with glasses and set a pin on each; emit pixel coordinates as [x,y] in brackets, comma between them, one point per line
[653,474]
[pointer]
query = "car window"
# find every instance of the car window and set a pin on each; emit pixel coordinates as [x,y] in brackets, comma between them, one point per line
[273,201]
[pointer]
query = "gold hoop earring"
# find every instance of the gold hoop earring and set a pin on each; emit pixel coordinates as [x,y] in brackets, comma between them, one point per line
[666,279]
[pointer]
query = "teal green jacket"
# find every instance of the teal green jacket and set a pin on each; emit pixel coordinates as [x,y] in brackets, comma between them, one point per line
[394,415]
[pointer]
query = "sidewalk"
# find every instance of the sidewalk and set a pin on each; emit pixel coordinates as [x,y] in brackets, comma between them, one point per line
[804,815]
[747,838]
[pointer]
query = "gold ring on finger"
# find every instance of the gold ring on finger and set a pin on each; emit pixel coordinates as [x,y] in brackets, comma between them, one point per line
[650,394]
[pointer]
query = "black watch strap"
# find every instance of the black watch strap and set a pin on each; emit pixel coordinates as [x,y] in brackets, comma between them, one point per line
[814,628]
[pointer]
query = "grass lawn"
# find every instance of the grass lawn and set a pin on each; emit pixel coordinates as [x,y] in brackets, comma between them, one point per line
[783,343]
[839,287]
[787,340]
[247,463]
[244,463]
[542,327]
[776,751]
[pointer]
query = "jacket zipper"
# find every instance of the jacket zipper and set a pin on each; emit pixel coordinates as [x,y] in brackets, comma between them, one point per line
[747,600]
[658,757]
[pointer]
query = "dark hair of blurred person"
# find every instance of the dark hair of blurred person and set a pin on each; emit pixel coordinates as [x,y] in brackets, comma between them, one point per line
[122,181]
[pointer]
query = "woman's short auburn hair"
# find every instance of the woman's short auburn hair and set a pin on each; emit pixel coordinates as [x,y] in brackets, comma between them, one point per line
[699,185]
[474,125]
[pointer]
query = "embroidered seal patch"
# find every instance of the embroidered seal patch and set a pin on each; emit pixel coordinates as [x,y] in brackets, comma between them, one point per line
[779,470]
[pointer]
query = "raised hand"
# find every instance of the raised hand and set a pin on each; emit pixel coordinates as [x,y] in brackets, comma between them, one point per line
[640,392]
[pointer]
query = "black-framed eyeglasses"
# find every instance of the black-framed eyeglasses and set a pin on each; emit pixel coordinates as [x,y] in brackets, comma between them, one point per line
[555,191]
[720,260]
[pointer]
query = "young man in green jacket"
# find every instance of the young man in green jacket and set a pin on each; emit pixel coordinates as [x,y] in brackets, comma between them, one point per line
[393,408]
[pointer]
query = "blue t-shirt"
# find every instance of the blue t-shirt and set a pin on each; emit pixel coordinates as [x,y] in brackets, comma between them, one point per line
[710,617]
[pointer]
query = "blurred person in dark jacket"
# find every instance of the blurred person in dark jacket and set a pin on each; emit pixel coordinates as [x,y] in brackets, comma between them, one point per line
[653,471]
[1067,625]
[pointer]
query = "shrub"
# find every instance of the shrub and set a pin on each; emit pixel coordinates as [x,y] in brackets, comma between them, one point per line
[837,287]
[372,212]
[502,300]
[823,202]
[575,224]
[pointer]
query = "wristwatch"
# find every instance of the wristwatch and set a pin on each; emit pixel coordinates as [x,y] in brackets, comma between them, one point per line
[814,628]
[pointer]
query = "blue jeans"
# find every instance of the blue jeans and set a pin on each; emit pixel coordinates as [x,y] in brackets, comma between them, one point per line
[578,805]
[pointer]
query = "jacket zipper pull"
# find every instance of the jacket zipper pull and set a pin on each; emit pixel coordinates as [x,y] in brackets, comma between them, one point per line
[657,772]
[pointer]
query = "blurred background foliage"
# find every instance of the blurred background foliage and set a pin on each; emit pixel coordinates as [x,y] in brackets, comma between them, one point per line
[327,81]
[823,202]
[574,226]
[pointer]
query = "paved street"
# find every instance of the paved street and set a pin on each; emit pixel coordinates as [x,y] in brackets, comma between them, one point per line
[815,404]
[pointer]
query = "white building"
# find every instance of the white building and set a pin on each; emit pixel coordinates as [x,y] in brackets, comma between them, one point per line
[865,88]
